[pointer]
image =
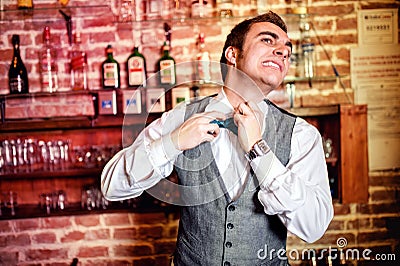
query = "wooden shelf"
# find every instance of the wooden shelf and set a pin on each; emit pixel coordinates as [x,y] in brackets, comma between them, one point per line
[49,12]
[63,123]
[34,211]
[315,111]
[51,173]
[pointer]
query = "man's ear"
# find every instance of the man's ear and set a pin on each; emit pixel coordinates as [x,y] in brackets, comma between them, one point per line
[230,54]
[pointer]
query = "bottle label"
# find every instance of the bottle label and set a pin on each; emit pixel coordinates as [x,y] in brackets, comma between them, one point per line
[49,81]
[167,72]
[136,71]
[25,3]
[110,71]
[203,67]
[78,61]
[16,84]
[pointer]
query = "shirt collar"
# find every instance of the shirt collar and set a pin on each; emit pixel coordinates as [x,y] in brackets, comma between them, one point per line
[221,104]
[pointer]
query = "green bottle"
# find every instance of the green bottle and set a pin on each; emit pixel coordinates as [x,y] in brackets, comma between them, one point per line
[110,71]
[166,67]
[136,69]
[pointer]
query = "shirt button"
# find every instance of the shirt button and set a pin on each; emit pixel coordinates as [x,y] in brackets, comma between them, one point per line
[229,226]
[231,208]
[228,244]
[227,263]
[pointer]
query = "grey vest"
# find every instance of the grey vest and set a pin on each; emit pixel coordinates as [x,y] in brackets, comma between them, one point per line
[222,231]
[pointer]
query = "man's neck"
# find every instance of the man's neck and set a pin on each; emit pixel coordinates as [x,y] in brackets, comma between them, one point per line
[241,88]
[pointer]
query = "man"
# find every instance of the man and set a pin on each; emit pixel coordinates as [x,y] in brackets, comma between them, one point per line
[241,189]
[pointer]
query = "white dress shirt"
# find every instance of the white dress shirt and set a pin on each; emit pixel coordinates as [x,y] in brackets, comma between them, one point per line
[298,193]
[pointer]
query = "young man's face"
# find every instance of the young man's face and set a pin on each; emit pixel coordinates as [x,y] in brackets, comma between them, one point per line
[265,56]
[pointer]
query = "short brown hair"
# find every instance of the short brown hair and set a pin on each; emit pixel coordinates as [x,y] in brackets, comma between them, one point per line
[238,34]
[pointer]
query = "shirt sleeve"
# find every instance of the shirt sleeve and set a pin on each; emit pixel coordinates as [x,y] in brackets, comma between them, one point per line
[298,193]
[145,162]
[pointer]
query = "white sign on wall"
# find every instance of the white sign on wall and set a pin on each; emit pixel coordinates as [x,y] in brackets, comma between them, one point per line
[377,26]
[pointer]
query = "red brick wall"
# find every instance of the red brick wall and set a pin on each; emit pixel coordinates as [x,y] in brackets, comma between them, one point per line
[148,239]
[97,239]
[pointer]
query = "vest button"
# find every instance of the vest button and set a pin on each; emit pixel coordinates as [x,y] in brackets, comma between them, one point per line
[227,263]
[228,244]
[229,226]
[231,208]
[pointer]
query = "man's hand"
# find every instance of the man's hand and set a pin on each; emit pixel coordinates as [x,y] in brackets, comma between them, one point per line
[249,120]
[196,130]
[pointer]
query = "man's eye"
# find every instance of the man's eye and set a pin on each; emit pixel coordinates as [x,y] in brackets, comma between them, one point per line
[268,40]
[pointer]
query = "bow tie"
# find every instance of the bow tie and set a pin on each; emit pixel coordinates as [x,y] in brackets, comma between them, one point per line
[228,124]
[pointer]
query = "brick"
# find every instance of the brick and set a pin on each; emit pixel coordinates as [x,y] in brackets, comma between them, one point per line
[46,237]
[72,236]
[378,222]
[9,258]
[340,39]
[164,246]
[384,195]
[92,252]
[87,220]
[106,20]
[335,10]
[116,219]
[125,233]
[324,24]
[55,222]
[162,260]
[384,179]
[378,208]
[146,232]
[107,36]
[97,234]
[372,236]
[143,262]
[344,24]
[5,227]
[148,218]
[26,224]
[15,240]
[358,224]
[45,254]
[343,54]
[53,264]
[135,249]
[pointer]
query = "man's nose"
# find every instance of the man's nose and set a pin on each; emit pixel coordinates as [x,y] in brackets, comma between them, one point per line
[282,51]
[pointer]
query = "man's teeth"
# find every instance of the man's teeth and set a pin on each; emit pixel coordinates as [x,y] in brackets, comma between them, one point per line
[272,64]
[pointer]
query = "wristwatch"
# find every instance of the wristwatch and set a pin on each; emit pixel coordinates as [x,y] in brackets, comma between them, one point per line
[260,148]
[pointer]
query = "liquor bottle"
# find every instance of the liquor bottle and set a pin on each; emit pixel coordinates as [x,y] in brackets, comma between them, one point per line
[136,68]
[203,61]
[25,4]
[225,8]
[17,75]
[166,67]
[48,64]
[307,47]
[78,64]
[110,71]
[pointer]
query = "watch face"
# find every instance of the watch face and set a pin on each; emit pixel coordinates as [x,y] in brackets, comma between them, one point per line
[263,146]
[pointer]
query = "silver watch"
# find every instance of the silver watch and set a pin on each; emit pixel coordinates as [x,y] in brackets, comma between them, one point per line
[260,148]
